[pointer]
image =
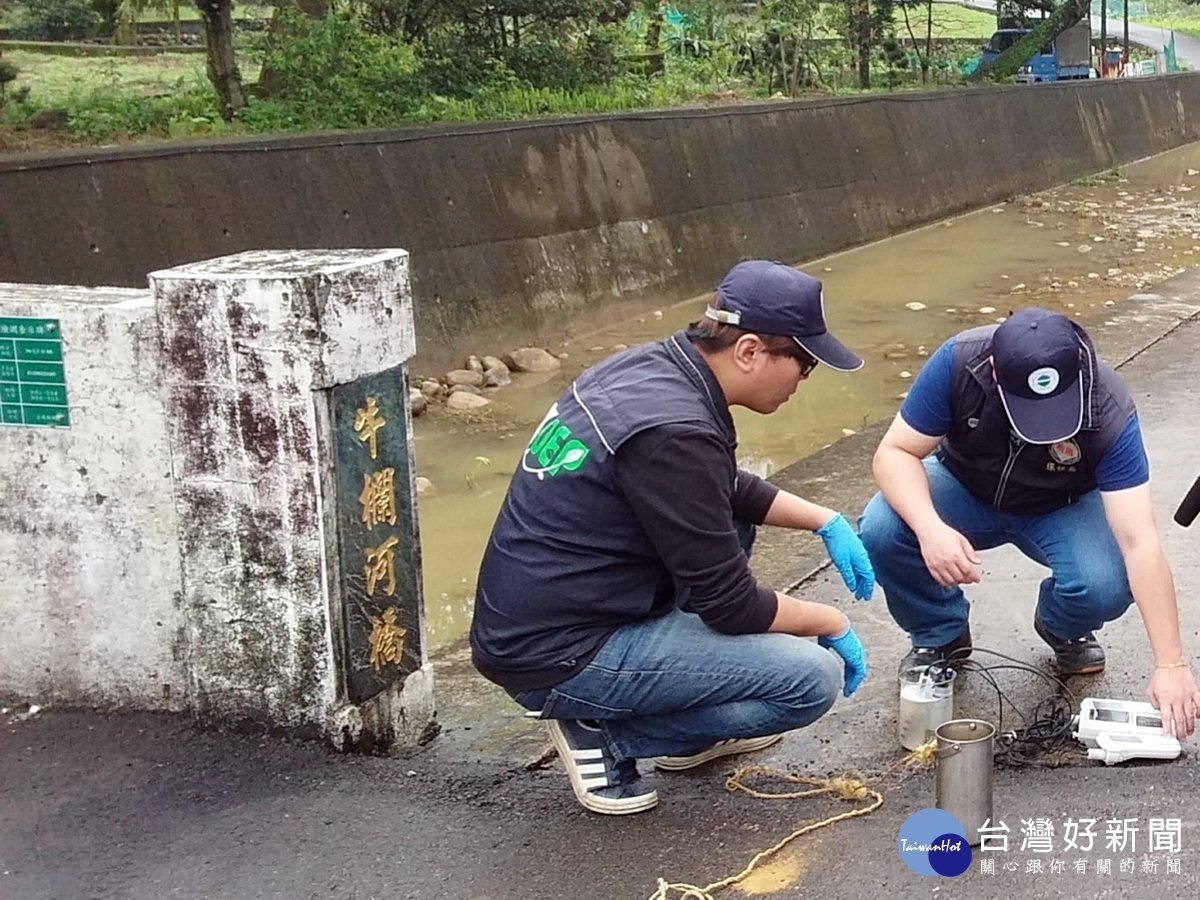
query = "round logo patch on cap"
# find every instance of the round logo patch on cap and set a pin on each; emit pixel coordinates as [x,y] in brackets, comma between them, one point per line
[1043,381]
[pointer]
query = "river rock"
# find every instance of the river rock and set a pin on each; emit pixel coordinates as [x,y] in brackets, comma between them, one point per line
[475,364]
[431,389]
[463,400]
[492,362]
[532,359]
[464,389]
[425,487]
[463,376]
[417,402]
[497,375]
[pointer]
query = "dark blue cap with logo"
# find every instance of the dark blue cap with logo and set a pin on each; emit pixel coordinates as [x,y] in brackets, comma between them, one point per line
[773,298]
[1038,357]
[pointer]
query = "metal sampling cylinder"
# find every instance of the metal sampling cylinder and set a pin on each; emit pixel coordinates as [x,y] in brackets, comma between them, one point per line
[965,773]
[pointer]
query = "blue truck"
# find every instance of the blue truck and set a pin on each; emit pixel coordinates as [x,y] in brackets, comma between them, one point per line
[1068,56]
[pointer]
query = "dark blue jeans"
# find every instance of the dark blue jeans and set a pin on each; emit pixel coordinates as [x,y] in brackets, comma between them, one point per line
[673,686]
[1086,588]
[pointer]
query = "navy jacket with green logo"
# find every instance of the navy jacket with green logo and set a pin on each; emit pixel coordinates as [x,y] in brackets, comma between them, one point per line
[569,561]
[995,465]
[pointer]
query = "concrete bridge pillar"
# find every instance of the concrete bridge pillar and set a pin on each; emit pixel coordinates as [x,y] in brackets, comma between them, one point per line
[286,400]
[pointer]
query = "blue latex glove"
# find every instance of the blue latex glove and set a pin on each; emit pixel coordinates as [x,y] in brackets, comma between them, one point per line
[850,649]
[849,556]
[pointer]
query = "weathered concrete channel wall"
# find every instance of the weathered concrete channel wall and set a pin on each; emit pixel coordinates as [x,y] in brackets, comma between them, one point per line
[548,227]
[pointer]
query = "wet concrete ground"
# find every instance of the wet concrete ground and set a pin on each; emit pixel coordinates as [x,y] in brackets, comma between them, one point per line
[149,806]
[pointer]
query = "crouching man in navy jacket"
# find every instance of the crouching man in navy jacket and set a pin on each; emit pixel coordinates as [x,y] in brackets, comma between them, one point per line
[1037,445]
[615,596]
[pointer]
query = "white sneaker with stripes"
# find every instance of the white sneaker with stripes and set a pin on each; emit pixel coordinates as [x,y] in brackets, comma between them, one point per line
[717,750]
[601,783]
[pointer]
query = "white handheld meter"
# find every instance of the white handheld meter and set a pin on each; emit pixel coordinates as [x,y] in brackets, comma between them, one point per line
[1117,730]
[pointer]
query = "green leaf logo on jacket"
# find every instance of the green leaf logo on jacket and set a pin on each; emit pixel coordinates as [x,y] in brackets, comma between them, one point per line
[553,449]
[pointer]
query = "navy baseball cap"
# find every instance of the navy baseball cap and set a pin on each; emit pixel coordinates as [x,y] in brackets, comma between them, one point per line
[1038,357]
[773,298]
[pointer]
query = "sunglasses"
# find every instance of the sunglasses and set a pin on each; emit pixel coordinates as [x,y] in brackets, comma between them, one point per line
[807,361]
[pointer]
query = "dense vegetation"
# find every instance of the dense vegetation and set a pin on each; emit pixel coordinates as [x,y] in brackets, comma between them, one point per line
[317,64]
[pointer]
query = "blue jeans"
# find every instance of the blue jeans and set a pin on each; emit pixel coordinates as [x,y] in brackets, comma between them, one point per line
[1086,588]
[672,686]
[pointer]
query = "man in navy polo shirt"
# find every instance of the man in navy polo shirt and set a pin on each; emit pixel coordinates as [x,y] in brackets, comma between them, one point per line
[615,598]
[1038,445]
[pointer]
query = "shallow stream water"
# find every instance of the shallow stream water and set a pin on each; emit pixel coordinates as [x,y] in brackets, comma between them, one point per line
[1080,249]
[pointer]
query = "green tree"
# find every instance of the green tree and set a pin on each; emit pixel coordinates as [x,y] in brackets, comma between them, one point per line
[918,22]
[410,19]
[544,43]
[790,45]
[282,27]
[56,20]
[223,72]
[859,20]
[335,73]
[125,32]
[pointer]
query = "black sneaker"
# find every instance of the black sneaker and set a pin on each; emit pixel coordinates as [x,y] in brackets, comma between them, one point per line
[955,651]
[601,784]
[1081,656]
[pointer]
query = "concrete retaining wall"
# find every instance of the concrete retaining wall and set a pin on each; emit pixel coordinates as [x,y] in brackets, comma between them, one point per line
[549,227]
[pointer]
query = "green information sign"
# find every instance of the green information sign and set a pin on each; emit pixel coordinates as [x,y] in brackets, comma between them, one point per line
[33,384]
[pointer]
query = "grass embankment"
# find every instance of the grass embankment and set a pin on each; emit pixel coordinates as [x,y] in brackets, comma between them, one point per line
[1169,15]
[53,79]
[116,99]
[1179,24]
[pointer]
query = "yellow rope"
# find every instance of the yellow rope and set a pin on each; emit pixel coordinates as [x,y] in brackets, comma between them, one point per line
[844,787]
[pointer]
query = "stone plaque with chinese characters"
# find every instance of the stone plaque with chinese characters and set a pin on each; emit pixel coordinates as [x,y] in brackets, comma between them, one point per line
[33,386]
[377,534]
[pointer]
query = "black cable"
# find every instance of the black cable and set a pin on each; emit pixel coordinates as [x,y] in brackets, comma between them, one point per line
[1048,728]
